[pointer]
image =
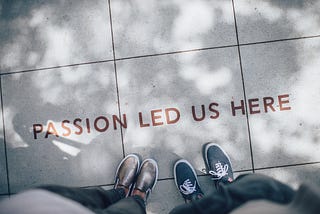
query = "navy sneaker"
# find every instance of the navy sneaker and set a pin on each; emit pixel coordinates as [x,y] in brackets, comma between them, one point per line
[187,181]
[218,163]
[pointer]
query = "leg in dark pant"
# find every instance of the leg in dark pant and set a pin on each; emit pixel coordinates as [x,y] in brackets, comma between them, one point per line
[130,205]
[99,200]
[93,198]
[243,189]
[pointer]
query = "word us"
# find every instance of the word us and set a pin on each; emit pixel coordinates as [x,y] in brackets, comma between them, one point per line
[158,117]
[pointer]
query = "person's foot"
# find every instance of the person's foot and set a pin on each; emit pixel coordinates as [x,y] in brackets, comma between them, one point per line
[218,163]
[146,180]
[186,181]
[126,173]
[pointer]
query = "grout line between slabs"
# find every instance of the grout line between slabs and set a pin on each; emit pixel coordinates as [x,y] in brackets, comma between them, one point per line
[243,87]
[237,171]
[159,54]
[175,52]
[116,76]
[4,138]
[167,179]
[288,165]
[244,170]
[279,40]
[55,67]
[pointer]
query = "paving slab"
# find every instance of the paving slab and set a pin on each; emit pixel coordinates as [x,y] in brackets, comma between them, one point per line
[63,125]
[37,34]
[276,19]
[157,95]
[294,176]
[287,71]
[59,126]
[150,26]
[3,168]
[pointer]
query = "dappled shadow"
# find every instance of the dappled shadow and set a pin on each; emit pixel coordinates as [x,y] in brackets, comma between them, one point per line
[77,160]
[273,20]
[290,137]
[147,27]
[283,138]
[45,34]
[38,35]
[173,81]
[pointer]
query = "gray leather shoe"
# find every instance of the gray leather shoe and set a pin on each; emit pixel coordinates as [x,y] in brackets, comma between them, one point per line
[147,177]
[126,172]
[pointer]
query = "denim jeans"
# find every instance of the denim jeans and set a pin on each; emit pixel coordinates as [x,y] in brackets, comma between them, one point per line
[101,201]
[232,195]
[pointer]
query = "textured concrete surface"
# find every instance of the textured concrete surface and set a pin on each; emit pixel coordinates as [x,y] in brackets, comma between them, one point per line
[173,82]
[85,83]
[80,156]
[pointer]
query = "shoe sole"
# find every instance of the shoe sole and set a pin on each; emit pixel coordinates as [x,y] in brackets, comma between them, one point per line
[125,158]
[206,147]
[191,167]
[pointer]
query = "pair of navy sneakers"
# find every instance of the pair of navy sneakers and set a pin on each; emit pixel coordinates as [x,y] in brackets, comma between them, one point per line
[218,165]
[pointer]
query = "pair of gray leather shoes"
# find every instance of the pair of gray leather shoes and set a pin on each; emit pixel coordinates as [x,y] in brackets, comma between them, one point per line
[133,176]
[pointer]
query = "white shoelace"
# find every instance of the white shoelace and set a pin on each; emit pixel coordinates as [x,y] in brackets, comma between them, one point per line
[187,187]
[220,171]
